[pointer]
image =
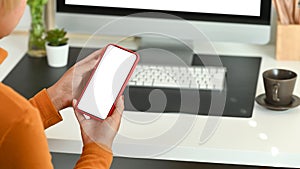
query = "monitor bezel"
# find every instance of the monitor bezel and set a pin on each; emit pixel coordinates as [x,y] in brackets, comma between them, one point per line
[264,19]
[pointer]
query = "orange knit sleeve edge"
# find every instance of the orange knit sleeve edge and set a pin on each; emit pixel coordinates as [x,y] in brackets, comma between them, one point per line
[48,112]
[95,147]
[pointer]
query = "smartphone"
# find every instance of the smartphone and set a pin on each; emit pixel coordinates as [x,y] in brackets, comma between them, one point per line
[107,82]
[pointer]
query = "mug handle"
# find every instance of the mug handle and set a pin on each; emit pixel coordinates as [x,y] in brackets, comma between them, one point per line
[275,92]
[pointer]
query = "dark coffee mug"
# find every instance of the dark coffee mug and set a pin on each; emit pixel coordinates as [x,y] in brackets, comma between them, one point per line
[279,86]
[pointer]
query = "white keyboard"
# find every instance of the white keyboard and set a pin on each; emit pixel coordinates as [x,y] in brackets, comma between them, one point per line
[196,77]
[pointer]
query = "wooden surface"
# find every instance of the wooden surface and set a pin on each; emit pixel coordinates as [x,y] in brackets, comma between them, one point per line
[287,45]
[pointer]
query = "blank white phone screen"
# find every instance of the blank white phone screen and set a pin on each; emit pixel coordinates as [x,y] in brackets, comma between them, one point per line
[107,81]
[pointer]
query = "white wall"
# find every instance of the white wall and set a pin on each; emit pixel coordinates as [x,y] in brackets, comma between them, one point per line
[24,24]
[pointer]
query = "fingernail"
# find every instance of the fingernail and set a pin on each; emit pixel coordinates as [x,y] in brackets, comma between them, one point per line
[74,102]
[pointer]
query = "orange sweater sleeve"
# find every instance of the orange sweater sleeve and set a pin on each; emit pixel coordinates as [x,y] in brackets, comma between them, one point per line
[48,112]
[3,55]
[23,143]
[94,156]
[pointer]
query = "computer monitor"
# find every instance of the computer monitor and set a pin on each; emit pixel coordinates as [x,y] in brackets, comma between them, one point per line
[241,21]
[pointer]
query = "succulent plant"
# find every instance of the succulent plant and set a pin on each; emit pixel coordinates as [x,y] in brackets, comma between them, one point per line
[56,37]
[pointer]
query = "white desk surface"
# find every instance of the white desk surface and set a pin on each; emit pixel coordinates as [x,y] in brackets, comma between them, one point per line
[269,138]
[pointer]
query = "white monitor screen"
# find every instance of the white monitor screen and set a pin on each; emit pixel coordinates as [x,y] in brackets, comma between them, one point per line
[230,7]
[238,21]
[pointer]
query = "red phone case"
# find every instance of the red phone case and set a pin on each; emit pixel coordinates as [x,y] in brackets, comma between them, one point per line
[122,88]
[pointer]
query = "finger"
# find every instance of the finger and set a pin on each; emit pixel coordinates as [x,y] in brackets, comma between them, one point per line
[74,102]
[120,105]
[88,63]
[119,109]
[78,115]
[90,60]
[94,56]
[86,117]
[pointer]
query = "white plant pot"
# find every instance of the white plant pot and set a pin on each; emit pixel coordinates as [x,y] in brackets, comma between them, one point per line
[57,56]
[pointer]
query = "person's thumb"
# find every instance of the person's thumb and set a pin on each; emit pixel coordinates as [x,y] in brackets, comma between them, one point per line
[78,115]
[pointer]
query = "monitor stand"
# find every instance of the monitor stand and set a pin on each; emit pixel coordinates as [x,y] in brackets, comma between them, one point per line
[165,51]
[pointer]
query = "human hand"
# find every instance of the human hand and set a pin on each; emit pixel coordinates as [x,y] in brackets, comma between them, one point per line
[101,131]
[71,84]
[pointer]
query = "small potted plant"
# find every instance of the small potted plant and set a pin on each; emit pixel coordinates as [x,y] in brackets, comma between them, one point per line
[57,48]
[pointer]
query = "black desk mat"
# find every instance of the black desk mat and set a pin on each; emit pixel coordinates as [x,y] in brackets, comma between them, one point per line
[31,75]
[129,163]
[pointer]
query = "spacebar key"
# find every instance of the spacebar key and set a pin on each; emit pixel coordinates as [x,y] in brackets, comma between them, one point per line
[170,85]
